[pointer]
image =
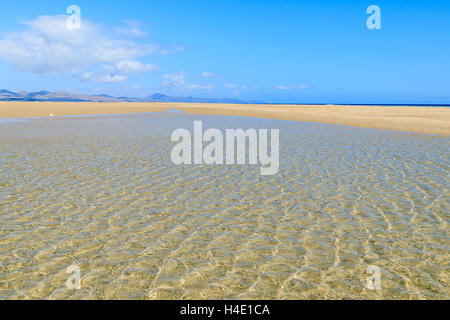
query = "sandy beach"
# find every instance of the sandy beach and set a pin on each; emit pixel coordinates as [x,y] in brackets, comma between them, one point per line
[431,120]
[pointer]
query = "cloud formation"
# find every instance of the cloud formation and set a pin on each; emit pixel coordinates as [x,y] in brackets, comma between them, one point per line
[206,74]
[283,87]
[48,46]
[132,29]
[230,85]
[177,80]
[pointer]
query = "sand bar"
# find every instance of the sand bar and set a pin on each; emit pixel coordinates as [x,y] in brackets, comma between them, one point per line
[432,120]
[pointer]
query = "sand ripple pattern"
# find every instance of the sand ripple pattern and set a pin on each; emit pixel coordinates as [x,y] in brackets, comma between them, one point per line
[102,193]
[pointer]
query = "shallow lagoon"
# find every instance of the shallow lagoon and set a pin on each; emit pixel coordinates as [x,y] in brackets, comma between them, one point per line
[101,192]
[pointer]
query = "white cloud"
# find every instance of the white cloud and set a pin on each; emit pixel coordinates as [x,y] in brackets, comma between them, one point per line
[132,29]
[132,66]
[47,46]
[177,80]
[230,85]
[104,78]
[283,87]
[117,72]
[207,74]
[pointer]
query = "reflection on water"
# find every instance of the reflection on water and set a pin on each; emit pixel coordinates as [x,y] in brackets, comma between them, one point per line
[102,193]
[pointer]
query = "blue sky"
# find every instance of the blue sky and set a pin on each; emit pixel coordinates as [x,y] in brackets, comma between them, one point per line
[282,51]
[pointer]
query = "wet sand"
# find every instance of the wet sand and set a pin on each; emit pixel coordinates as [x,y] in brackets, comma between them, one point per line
[431,120]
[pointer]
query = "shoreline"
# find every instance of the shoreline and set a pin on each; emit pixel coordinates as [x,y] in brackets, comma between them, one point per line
[417,119]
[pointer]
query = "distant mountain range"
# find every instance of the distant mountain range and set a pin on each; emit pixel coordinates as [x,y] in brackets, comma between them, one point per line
[6,95]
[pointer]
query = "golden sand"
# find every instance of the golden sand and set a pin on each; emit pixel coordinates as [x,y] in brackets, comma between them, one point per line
[433,120]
